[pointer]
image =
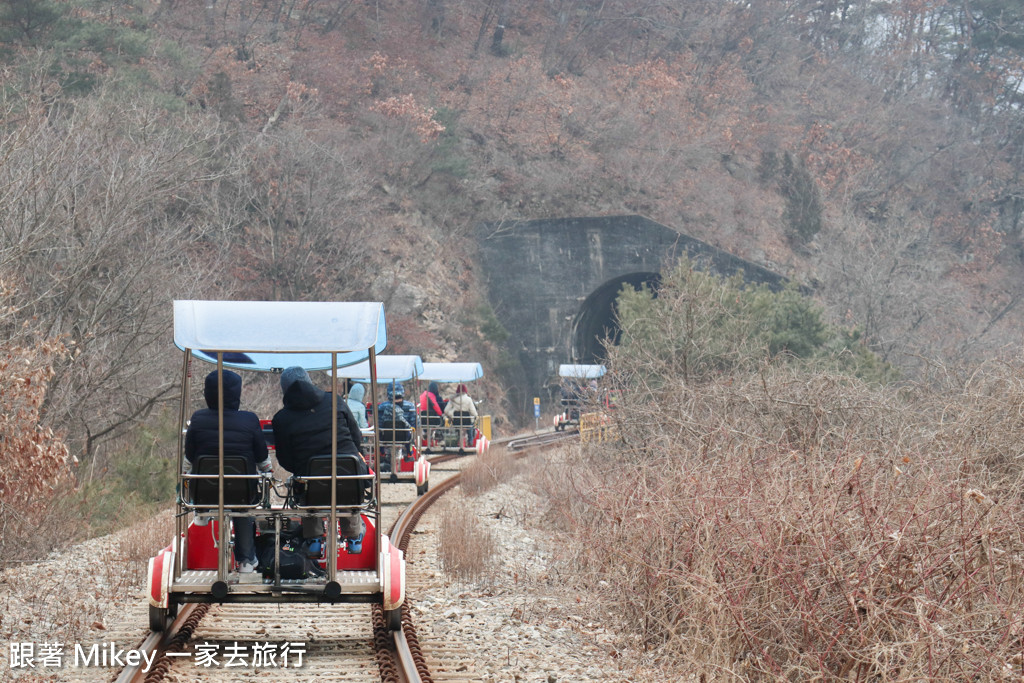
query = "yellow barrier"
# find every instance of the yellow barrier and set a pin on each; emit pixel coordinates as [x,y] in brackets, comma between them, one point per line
[485,426]
[596,427]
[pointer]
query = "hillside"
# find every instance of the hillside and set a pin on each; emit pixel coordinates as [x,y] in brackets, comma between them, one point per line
[304,149]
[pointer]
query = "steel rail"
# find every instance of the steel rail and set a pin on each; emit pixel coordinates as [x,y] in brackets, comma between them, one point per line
[411,666]
[537,440]
[408,665]
[179,630]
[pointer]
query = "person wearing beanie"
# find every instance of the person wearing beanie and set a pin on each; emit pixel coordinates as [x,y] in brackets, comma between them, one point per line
[461,410]
[243,436]
[302,429]
[461,403]
[293,374]
[396,405]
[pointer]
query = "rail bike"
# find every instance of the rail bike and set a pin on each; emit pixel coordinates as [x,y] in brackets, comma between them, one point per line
[460,431]
[221,490]
[576,392]
[400,460]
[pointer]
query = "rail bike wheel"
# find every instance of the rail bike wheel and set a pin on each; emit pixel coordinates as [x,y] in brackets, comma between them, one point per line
[158,616]
[393,619]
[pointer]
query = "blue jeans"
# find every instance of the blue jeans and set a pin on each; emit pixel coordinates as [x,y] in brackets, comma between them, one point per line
[245,539]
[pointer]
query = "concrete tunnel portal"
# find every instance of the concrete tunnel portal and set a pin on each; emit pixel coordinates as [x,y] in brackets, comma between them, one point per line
[553,284]
[596,324]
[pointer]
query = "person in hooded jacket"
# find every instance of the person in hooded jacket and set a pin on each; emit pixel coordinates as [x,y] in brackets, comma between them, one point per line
[243,436]
[302,429]
[431,403]
[356,405]
[431,412]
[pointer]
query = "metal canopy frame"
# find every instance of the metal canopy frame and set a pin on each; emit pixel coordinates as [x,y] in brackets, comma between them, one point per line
[269,336]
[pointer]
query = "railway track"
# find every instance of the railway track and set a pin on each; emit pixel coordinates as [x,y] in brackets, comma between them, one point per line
[301,642]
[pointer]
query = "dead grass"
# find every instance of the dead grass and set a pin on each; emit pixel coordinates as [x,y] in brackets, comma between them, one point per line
[809,527]
[142,541]
[465,546]
[488,470]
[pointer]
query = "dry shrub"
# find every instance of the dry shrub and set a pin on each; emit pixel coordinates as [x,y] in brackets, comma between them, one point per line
[793,526]
[465,546]
[146,538]
[985,422]
[139,543]
[487,471]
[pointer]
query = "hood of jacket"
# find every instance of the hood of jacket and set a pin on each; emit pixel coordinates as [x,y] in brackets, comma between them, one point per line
[302,395]
[356,393]
[232,390]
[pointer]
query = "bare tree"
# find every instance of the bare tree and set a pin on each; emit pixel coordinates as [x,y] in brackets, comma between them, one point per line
[97,208]
[890,278]
[296,217]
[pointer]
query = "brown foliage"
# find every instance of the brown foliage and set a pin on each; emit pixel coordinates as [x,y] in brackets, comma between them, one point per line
[790,526]
[35,459]
[36,470]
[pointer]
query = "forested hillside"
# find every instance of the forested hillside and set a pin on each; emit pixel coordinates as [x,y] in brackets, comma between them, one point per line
[343,149]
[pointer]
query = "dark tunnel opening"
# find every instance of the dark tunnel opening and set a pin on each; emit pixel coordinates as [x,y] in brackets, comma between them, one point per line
[597,320]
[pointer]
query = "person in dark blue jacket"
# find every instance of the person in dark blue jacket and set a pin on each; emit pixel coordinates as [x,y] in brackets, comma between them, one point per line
[396,405]
[243,436]
[302,429]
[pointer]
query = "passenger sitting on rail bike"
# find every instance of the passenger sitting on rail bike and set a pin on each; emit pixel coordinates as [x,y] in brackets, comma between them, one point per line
[302,432]
[356,405]
[396,392]
[571,399]
[245,453]
[431,412]
[395,432]
[462,414]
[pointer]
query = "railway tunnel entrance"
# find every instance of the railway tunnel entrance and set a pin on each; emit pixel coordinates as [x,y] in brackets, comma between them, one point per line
[597,321]
[553,282]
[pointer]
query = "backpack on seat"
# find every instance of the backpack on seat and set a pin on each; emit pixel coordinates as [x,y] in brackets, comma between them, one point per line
[295,563]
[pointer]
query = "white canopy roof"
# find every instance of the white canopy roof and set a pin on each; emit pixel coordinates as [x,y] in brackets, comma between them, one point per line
[389,368]
[271,335]
[451,372]
[581,371]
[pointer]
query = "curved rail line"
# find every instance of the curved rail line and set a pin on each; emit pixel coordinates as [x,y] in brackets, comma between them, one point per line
[538,440]
[398,654]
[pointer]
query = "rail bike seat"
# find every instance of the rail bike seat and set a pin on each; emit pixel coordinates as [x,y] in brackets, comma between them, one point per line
[463,419]
[242,483]
[431,420]
[390,432]
[268,434]
[313,490]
